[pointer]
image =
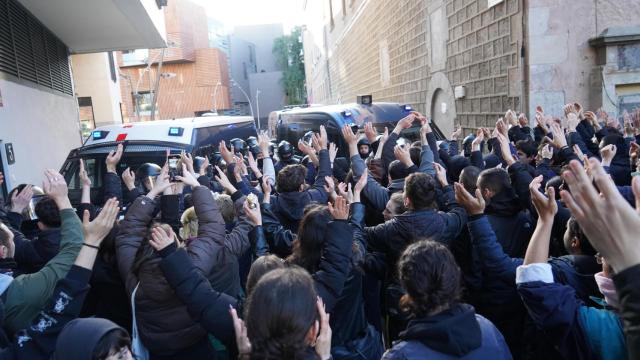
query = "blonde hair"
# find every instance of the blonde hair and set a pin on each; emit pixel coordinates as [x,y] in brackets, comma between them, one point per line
[189,222]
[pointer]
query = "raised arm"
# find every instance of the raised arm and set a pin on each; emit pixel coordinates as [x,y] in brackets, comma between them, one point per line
[336,256]
[205,305]
[133,228]
[27,294]
[493,258]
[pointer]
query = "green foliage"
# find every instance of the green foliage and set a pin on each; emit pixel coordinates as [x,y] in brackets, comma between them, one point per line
[290,58]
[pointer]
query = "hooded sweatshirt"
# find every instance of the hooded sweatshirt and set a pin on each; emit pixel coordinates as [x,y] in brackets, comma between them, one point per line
[79,338]
[454,333]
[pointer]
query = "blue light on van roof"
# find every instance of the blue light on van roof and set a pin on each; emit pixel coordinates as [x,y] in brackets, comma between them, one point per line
[346,113]
[99,134]
[176,131]
[408,108]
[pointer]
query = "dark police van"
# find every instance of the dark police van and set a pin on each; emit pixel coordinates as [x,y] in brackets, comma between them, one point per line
[292,124]
[147,142]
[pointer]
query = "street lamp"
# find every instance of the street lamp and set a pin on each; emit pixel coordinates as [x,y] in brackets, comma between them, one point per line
[258,106]
[234,83]
[215,98]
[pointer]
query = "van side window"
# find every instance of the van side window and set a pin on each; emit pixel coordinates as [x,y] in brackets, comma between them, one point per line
[93,170]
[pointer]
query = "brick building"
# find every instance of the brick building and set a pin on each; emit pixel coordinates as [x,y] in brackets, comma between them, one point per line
[193,79]
[467,61]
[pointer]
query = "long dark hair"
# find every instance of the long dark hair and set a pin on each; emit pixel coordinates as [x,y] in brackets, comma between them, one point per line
[431,277]
[280,311]
[307,247]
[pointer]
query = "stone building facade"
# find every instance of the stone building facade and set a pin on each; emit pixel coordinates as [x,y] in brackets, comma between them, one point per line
[462,62]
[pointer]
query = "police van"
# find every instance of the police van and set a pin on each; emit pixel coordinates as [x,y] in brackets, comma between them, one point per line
[292,124]
[147,142]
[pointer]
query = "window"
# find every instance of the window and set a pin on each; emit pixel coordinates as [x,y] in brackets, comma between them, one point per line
[85,111]
[144,101]
[244,70]
[30,52]
[135,57]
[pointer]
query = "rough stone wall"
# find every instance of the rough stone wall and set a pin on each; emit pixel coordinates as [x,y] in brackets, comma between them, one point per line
[483,56]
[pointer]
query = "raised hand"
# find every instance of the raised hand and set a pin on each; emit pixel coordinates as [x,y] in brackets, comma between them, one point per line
[187,177]
[404,123]
[475,144]
[473,205]
[402,154]
[330,185]
[95,231]
[362,182]
[84,177]
[344,190]
[323,139]
[333,152]
[457,133]
[340,210]
[227,155]
[254,215]
[370,132]
[506,149]
[263,143]
[441,174]
[129,178]
[187,160]
[55,186]
[20,200]
[608,153]
[501,127]
[572,122]
[224,181]
[351,140]
[323,342]
[305,148]
[161,238]
[522,120]
[606,218]
[205,165]
[113,158]
[559,140]
[546,206]
[162,183]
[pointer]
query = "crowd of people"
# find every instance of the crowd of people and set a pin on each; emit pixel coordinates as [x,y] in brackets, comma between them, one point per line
[510,243]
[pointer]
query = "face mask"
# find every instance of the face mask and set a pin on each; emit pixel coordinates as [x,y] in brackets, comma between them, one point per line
[606,287]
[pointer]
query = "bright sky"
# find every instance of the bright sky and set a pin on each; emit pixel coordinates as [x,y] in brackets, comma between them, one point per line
[253,12]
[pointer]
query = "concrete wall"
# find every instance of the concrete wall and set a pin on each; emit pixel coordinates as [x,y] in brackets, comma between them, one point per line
[239,55]
[562,64]
[271,95]
[41,125]
[262,36]
[92,78]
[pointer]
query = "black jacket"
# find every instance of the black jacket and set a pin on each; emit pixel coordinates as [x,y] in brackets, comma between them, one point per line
[513,226]
[627,284]
[207,306]
[289,206]
[393,236]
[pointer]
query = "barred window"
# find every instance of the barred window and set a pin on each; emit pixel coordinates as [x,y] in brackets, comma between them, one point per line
[30,52]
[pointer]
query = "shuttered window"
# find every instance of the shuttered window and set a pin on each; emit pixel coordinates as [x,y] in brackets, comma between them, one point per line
[30,51]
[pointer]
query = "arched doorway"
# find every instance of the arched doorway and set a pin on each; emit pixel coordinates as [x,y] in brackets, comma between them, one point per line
[443,111]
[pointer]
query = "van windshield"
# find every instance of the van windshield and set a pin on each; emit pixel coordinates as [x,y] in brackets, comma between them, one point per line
[95,165]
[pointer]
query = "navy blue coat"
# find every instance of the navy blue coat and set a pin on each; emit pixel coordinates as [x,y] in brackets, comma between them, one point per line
[456,333]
